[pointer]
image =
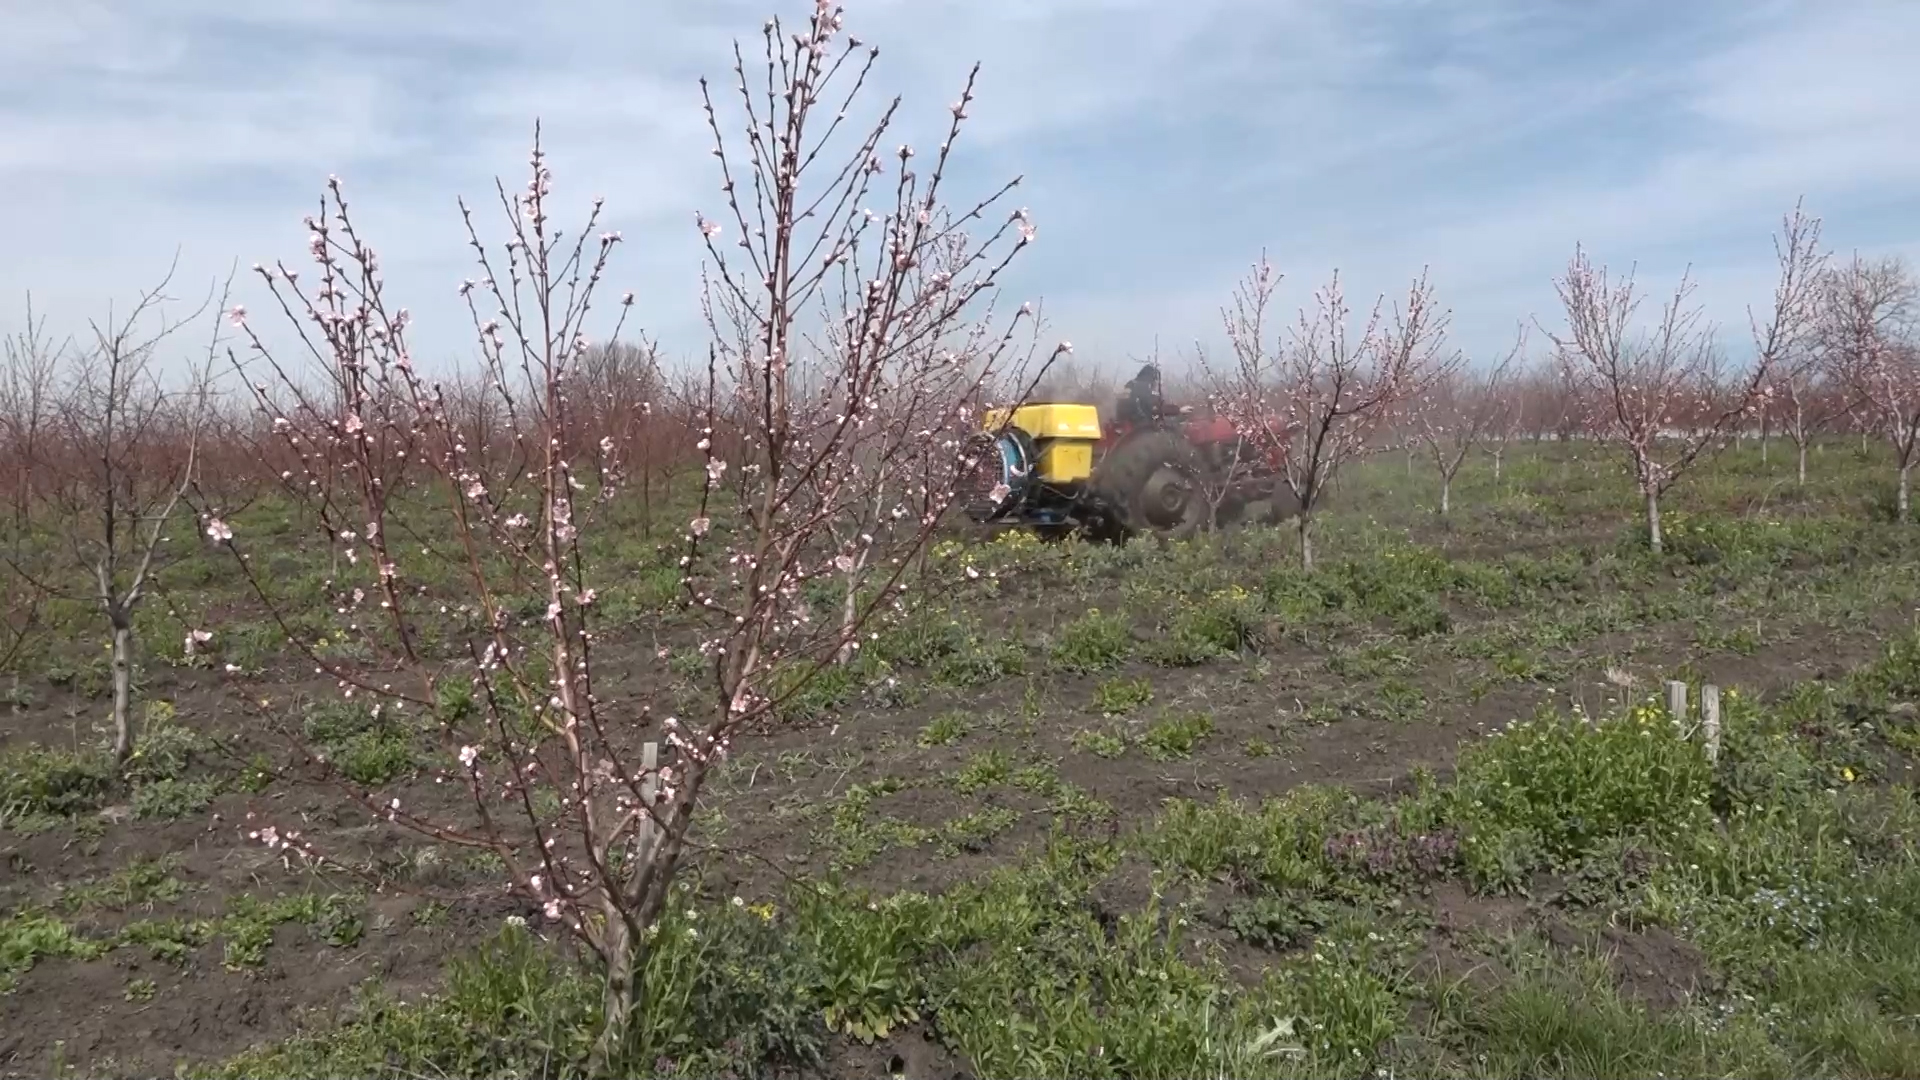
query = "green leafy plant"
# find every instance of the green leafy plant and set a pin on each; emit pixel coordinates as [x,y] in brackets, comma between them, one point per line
[1572,782]
[1095,641]
[26,938]
[1277,922]
[984,770]
[1176,737]
[171,800]
[864,956]
[169,940]
[1118,697]
[945,729]
[1099,743]
[40,781]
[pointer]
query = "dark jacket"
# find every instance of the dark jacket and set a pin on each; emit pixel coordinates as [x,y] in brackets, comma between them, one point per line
[1143,402]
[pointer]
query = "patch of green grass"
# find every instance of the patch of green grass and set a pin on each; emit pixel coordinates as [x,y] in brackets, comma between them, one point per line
[27,938]
[974,831]
[981,663]
[1277,922]
[732,991]
[1222,623]
[249,924]
[857,834]
[1118,697]
[1045,990]
[169,940]
[1103,744]
[371,748]
[1279,844]
[984,770]
[925,637]
[171,800]
[1561,784]
[46,782]
[166,748]
[140,884]
[1176,737]
[820,695]
[1563,1016]
[1096,641]
[945,729]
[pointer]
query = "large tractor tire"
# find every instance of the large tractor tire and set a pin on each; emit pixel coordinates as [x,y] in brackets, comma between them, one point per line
[1152,483]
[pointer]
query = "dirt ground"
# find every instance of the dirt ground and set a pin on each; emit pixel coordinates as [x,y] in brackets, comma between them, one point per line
[81,1014]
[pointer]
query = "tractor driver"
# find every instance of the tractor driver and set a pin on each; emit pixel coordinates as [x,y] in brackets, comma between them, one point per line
[1143,403]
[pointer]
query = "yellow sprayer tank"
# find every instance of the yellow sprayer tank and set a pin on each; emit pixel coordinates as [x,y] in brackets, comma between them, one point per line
[1063,438]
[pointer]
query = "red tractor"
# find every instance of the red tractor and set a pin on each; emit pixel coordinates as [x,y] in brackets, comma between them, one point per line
[1060,468]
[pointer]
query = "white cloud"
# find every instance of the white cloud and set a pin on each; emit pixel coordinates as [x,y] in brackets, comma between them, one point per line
[1164,145]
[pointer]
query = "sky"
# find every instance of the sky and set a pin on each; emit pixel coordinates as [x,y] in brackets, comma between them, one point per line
[1163,146]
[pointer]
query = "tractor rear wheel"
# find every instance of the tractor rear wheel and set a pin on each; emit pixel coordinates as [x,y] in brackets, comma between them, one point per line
[1154,483]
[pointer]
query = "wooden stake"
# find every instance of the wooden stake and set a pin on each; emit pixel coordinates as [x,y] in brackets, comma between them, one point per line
[1677,702]
[1710,721]
[649,785]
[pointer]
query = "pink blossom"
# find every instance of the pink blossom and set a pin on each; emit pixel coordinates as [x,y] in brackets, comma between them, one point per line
[219,531]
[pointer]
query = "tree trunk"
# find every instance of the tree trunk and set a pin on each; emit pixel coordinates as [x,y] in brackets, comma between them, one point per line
[1446,494]
[1654,539]
[1497,455]
[849,613]
[122,686]
[1902,501]
[1802,448]
[1306,541]
[616,999]
[646,500]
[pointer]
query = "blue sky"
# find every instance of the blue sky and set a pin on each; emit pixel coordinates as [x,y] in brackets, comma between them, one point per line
[1164,144]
